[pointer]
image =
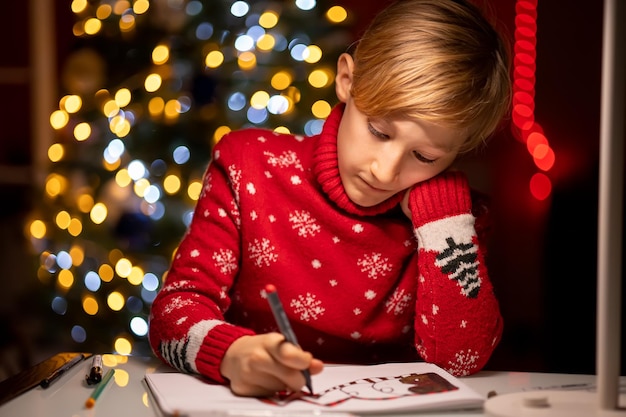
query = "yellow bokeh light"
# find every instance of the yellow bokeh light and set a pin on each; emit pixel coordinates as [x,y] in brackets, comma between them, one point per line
[247,60]
[37,229]
[115,301]
[268,19]
[84,202]
[122,378]
[121,6]
[194,189]
[56,152]
[120,126]
[59,119]
[141,186]
[123,97]
[282,129]
[313,55]
[65,279]
[110,108]
[153,83]
[90,305]
[55,185]
[160,54]
[123,267]
[266,42]
[336,14]
[171,184]
[82,131]
[122,178]
[92,26]
[106,272]
[214,59]
[98,213]
[62,219]
[219,132]
[136,275]
[127,23]
[319,78]
[71,103]
[259,99]
[172,109]
[156,106]
[111,166]
[78,255]
[281,80]
[123,346]
[321,109]
[103,11]
[78,6]
[141,6]
[75,228]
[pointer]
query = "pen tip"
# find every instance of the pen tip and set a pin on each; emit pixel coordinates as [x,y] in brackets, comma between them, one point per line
[90,403]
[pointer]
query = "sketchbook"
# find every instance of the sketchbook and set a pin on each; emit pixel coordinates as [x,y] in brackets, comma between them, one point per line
[360,389]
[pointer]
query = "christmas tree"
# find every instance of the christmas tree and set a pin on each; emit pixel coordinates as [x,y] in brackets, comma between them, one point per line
[147,90]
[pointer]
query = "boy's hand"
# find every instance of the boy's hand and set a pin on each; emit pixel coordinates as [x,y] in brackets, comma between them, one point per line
[261,365]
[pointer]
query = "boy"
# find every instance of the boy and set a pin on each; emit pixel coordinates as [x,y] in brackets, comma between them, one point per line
[366,232]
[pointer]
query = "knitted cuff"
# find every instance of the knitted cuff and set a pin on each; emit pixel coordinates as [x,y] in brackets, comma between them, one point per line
[214,348]
[445,195]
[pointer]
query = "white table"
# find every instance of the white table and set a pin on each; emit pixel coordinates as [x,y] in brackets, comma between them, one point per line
[128,394]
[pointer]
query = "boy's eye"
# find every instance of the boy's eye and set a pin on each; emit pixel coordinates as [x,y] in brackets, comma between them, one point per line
[375,132]
[422,158]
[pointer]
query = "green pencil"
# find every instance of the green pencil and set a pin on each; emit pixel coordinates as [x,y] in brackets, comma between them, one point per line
[91,401]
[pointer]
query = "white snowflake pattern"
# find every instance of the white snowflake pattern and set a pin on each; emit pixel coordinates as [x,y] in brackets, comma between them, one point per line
[304,223]
[176,303]
[370,294]
[320,341]
[175,285]
[465,363]
[299,138]
[216,155]
[251,188]
[424,319]
[357,311]
[333,282]
[463,324]
[181,320]
[207,185]
[261,139]
[307,307]
[262,252]
[284,160]
[235,178]
[221,212]
[223,293]
[271,218]
[435,309]
[336,239]
[375,265]
[355,335]
[254,215]
[206,213]
[194,253]
[225,261]
[406,329]
[296,180]
[268,174]
[316,264]
[358,228]
[398,301]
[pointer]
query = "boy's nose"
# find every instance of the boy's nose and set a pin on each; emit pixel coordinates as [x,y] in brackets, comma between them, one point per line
[385,169]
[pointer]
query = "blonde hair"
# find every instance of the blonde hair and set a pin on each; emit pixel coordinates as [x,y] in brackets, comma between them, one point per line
[434,60]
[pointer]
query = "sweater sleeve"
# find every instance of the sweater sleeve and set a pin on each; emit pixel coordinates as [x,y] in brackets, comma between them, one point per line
[187,327]
[458,322]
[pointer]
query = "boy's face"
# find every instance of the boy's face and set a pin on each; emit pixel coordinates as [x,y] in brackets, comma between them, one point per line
[379,158]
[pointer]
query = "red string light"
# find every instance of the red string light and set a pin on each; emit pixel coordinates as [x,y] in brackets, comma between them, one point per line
[525,128]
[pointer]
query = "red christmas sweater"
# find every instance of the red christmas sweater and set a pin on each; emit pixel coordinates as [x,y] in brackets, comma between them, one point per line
[360,285]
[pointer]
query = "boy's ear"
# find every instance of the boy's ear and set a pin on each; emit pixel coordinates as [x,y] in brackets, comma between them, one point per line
[343,80]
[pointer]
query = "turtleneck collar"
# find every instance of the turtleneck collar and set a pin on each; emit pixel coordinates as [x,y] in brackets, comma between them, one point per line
[326,170]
